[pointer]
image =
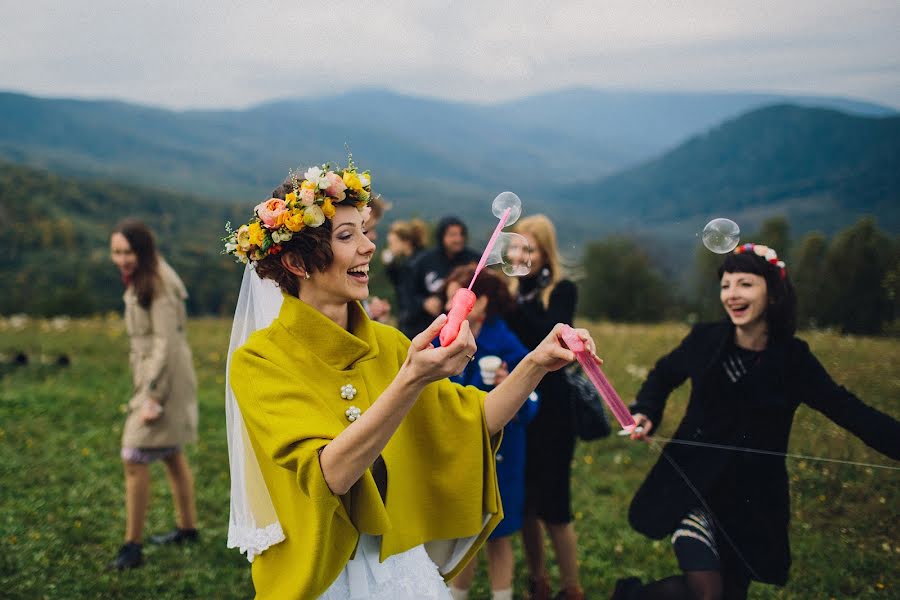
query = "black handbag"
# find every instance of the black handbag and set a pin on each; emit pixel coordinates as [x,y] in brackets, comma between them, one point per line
[588,415]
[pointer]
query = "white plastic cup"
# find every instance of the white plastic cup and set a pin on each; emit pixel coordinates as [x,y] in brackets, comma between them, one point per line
[489,366]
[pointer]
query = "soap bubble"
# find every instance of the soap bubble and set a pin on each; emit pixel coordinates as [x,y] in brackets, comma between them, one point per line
[506,200]
[513,254]
[721,235]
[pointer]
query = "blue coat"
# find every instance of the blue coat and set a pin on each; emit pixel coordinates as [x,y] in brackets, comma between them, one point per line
[497,339]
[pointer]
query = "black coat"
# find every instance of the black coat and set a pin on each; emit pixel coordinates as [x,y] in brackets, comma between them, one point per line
[531,323]
[747,493]
[427,276]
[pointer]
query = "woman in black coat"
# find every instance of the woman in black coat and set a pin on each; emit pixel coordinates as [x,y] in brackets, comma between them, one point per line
[748,376]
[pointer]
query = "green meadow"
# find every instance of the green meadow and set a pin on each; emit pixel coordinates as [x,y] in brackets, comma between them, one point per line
[62,501]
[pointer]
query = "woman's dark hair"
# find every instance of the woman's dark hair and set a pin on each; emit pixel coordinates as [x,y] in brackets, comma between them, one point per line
[145,275]
[311,247]
[781,312]
[488,284]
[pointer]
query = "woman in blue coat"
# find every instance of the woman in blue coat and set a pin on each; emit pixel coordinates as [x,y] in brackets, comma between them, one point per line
[495,338]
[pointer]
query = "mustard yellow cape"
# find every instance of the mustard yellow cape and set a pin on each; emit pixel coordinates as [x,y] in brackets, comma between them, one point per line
[441,482]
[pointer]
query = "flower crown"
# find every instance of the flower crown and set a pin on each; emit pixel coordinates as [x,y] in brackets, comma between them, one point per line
[765,252]
[312,200]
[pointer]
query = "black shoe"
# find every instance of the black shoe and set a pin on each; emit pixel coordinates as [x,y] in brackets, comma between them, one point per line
[625,588]
[129,557]
[176,536]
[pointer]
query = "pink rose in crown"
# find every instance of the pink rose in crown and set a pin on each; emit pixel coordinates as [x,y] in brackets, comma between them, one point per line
[270,211]
[336,186]
[307,196]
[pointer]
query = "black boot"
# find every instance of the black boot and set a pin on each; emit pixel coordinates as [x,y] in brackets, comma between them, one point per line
[129,557]
[625,588]
[176,536]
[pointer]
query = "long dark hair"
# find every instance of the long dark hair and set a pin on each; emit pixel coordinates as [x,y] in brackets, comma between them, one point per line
[781,311]
[145,275]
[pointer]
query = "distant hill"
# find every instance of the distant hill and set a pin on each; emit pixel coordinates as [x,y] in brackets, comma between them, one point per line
[821,168]
[56,232]
[186,173]
[466,152]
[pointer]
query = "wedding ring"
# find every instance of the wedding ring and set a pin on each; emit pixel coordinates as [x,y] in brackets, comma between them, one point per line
[471,358]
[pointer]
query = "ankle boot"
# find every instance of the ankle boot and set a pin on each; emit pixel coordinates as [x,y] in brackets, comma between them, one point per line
[177,536]
[626,588]
[538,588]
[129,557]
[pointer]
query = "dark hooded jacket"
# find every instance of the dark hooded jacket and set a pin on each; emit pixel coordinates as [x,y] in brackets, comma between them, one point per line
[746,492]
[427,275]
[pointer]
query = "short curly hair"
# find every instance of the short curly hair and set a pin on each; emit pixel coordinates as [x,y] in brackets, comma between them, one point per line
[311,245]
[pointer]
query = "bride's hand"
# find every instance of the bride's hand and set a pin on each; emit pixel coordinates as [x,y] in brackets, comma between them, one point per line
[432,364]
[552,355]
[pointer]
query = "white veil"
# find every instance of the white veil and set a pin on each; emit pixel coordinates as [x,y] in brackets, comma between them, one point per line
[252,525]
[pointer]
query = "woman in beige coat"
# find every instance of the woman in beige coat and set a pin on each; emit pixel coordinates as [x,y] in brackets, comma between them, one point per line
[162,412]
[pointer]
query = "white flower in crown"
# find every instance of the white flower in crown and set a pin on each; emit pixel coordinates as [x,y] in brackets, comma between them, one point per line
[364,180]
[313,216]
[278,236]
[313,174]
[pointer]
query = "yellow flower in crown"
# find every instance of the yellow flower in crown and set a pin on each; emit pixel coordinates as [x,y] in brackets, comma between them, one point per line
[295,221]
[311,201]
[328,208]
[256,235]
[351,180]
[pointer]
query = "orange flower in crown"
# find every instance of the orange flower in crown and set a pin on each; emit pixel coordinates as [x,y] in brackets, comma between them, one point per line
[311,202]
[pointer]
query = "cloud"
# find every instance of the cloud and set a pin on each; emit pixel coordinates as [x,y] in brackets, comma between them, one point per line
[232,54]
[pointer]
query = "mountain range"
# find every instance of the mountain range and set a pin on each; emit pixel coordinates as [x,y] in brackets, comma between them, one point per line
[655,164]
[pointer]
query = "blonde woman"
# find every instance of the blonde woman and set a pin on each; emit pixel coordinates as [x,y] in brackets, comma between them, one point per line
[544,298]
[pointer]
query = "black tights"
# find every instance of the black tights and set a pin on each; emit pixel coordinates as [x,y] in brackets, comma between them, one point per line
[695,585]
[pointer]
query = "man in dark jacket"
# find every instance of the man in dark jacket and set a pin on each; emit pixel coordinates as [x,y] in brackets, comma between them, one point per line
[429,270]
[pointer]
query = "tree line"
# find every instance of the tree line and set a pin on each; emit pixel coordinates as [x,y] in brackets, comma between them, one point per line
[850,282]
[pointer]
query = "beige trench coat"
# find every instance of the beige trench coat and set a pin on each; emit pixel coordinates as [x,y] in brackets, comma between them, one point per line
[162,367]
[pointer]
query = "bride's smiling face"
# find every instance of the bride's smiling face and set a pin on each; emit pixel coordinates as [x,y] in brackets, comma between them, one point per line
[346,279]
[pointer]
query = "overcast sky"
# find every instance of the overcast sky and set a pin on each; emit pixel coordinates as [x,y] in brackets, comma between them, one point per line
[206,53]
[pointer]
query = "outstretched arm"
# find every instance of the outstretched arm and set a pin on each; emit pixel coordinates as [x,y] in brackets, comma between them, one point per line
[669,372]
[504,401]
[819,391]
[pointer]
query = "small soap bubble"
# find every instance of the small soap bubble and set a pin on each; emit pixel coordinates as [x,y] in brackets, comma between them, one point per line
[506,200]
[721,235]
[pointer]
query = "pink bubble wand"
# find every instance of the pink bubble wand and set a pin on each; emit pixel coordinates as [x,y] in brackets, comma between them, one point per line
[574,343]
[464,299]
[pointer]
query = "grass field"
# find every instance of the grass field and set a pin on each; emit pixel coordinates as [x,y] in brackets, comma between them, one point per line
[61,491]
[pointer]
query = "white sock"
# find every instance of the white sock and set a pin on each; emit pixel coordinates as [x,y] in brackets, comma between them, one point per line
[459,594]
[502,594]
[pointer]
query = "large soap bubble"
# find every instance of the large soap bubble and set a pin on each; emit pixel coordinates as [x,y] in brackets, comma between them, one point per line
[721,235]
[512,253]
